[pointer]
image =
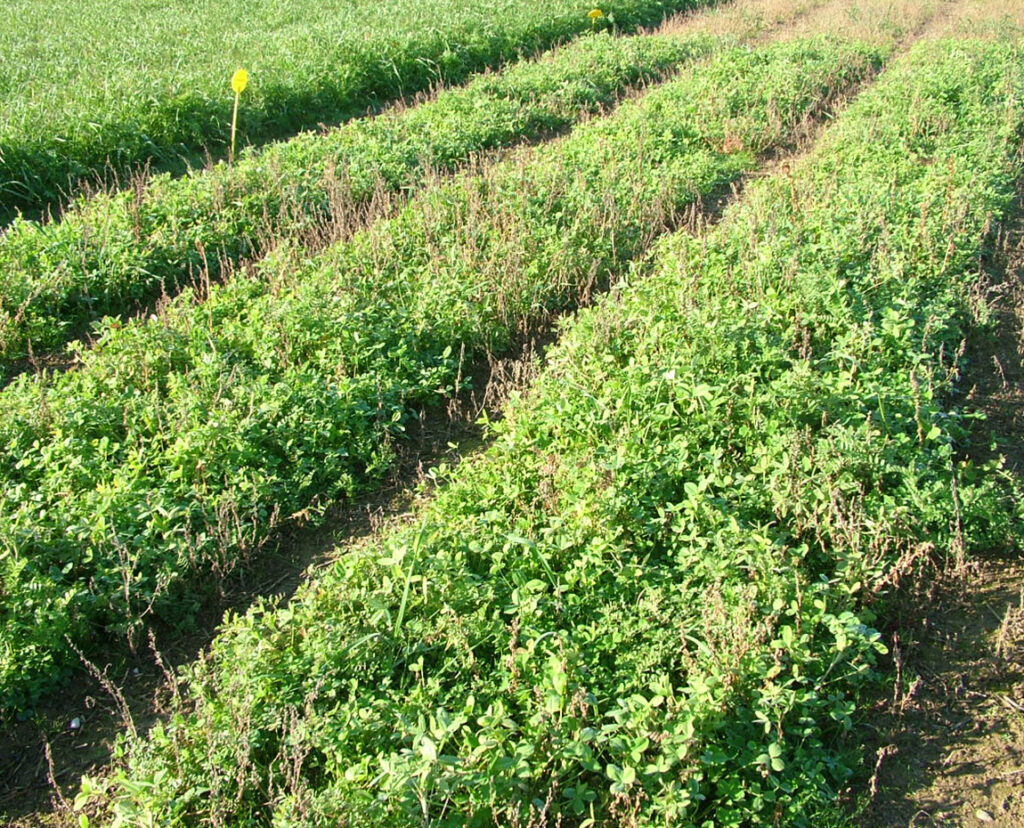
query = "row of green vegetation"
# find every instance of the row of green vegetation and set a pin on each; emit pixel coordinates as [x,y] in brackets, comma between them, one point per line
[650,601]
[179,442]
[111,252]
[75,102]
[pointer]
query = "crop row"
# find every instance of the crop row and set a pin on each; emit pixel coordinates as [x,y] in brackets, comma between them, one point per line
[76,104]
[179,441]
[110,252]
[649,602]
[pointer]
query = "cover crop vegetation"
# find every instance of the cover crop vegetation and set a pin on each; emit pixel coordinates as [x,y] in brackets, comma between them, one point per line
[76,105]
[110,252]
[176,445]
[648,603]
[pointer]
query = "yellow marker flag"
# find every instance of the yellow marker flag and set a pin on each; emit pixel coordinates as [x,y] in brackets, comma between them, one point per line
[239,81]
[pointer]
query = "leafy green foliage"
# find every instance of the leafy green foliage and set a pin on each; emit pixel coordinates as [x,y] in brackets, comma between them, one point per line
[77,102]
[179,442]
[111,251]
[650,602]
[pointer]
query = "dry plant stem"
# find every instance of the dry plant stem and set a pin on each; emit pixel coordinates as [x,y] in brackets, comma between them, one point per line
[51,775]
[105,682]
[882,755]
[170,677]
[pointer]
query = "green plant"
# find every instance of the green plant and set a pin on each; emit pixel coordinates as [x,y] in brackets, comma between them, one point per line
[650,602]
[180,442]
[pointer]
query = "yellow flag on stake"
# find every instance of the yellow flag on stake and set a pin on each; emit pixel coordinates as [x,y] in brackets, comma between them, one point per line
[239,81]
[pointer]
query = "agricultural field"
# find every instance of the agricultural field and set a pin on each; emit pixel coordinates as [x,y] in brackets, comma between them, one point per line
[112,252]
[178,440]
[662,591]
[90,95]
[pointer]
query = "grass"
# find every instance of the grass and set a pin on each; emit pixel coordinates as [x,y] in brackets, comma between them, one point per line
[90,95]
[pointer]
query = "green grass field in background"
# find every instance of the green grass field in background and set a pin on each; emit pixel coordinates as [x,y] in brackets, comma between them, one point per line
[88,90]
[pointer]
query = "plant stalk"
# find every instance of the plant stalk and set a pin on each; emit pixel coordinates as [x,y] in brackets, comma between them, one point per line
[234,123]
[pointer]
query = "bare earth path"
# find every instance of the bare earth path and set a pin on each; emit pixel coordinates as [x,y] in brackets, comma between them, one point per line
[953,751]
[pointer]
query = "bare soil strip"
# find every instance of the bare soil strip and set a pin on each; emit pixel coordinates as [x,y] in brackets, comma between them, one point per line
[949,742]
